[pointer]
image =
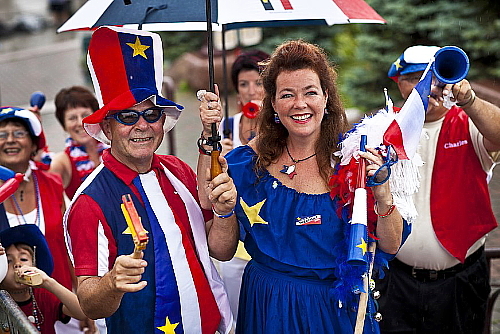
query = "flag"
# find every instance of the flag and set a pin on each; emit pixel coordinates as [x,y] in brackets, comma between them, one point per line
[404,131]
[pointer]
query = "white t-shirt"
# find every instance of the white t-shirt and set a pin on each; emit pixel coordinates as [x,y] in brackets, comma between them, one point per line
[422,248]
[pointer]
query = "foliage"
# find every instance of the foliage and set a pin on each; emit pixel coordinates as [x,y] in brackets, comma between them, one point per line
[471,25]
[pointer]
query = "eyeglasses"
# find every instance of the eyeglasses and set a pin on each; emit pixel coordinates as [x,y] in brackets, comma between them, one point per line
[383,173]
[17,134]
[411,79]
[130,117]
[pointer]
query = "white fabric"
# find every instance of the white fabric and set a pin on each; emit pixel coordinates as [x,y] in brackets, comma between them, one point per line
[30,217]
[3,267]
[422,249]
[191,318]
[404,179]
[235,130]
[419,54]
[199,234]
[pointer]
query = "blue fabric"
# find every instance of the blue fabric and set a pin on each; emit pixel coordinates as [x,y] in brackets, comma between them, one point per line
[107,190]
[296,295]
[167,292]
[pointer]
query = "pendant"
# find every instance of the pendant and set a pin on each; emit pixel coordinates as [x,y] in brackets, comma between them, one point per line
[289,170]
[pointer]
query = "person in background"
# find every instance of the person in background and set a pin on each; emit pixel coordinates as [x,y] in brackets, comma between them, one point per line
[242,126]
[439,281]
[293,232]
[82,153]
[172,282]
[39,200]
[245,75]
[47,301]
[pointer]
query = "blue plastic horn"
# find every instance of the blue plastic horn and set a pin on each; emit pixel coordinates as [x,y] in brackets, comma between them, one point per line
[451,65]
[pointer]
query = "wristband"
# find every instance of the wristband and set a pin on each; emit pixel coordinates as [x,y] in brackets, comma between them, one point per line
[222,216]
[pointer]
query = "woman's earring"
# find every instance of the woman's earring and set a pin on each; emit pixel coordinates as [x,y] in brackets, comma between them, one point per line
[276,119]
[326,111]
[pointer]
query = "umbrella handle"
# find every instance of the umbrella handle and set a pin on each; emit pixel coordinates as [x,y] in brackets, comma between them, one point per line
[215,167]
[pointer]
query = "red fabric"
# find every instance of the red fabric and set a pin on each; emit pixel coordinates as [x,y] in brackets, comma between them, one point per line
[84,237]
[75,180]
[110,86]
[460,203]
[396,139]
[49,306]
[51,190]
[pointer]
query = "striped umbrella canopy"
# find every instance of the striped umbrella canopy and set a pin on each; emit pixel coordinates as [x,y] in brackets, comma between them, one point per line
[161,15]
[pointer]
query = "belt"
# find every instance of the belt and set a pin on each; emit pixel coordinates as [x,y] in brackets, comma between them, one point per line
[429,275]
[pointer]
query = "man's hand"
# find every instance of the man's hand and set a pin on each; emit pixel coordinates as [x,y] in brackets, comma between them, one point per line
[127,273]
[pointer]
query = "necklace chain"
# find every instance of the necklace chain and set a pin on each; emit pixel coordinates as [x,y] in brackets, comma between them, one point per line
[37,314]
[37,198]
[298,160]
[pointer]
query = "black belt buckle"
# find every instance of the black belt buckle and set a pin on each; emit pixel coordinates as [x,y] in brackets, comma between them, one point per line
[424,274]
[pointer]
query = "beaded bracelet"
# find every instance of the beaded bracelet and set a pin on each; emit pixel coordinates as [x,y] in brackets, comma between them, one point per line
[385,215]
[470,102]
[222,216]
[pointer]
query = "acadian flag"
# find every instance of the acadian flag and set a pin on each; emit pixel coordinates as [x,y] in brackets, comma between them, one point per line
[404,131]
[358,238]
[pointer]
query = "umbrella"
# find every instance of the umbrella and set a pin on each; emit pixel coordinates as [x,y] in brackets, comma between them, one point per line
[161,15]
[164,15]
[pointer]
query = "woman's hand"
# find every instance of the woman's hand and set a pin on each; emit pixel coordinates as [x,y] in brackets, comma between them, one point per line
[382,192]
[210,110]
[221,190]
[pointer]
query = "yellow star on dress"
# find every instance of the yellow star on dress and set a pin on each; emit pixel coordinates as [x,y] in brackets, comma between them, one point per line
[168,328]
[252,212]
[363,246]
[139,48]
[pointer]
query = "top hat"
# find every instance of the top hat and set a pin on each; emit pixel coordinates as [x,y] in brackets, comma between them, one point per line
[32,123]
[126,67]
[30,235]
[413,59]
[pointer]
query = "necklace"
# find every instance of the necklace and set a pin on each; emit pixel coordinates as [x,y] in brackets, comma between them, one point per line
[37,317]
[18,209]
[290,170]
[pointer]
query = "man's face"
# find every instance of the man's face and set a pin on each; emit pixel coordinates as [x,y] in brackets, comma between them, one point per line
[134,145]
[406,82]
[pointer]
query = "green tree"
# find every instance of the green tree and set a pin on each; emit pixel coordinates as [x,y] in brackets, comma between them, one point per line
[474,26]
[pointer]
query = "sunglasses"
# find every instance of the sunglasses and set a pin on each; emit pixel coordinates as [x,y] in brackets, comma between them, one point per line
[17,134]
[382,174]
[130,117]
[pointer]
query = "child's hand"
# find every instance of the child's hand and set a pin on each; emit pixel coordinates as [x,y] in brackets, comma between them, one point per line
[2,250]
[31,276]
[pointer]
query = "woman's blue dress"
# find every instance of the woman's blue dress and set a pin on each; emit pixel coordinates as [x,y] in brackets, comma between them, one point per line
[297,243]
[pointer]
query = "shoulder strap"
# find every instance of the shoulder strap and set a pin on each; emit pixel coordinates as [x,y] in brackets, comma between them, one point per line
[230,126]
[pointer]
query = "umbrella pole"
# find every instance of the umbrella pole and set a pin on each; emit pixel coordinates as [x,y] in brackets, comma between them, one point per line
[215,167]
[227,130]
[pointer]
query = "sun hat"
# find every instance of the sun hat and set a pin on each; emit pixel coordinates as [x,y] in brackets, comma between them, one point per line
[31,121]
[126,67]
[30,235]
[413,59]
